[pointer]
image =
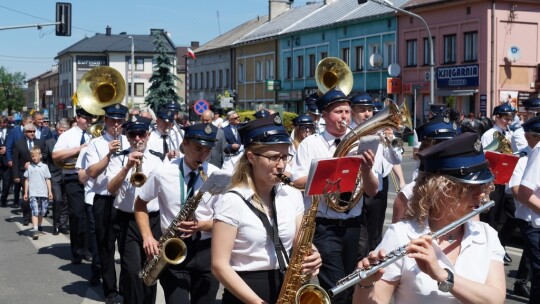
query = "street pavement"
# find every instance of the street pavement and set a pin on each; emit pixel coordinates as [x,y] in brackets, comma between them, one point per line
[39,271]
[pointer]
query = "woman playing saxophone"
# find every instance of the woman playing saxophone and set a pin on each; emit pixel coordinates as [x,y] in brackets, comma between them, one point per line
[463,265]
[257,221]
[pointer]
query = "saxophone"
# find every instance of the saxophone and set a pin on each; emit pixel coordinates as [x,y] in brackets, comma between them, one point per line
[294,289]
[172,250]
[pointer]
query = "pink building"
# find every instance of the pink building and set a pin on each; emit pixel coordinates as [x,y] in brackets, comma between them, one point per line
[485,52]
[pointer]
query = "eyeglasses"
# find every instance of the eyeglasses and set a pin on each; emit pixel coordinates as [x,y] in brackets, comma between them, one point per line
[307,128]
[274,159]
[30,131]
[141,134]
[234,118]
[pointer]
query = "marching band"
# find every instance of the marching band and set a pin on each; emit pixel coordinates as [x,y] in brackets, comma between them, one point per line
[139,188]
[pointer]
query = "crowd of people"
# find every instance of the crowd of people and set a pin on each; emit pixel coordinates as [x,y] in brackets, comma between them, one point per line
[120,186]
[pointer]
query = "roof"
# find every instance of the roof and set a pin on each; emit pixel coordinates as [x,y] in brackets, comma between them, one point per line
[102,43]
[419,3]
[231,37]
[281,23]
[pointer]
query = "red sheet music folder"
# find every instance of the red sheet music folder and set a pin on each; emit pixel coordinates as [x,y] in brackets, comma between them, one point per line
[336,174]
[502,166]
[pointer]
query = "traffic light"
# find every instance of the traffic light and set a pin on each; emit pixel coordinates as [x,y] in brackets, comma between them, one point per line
[63,15]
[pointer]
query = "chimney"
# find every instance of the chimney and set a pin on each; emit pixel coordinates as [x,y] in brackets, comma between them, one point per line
[278,7]
[108,30]
[194,44]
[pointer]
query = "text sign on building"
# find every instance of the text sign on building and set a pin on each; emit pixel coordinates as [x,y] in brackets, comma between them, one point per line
[86,63]
[273,85]
[458,76]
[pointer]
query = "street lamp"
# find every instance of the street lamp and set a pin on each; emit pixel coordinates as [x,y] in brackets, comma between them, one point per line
[132,103]
[389,4]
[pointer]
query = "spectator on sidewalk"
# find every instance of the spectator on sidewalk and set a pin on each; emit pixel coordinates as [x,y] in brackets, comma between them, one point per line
[14,135]
[40,193]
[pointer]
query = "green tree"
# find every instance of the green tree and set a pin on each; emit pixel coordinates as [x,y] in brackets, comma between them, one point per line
[11,92]
[163,89]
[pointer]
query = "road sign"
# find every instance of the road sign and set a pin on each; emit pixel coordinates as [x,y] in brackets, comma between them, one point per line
[200,106]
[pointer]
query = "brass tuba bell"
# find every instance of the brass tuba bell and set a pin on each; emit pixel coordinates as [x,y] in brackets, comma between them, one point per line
[332,72]
[100,87]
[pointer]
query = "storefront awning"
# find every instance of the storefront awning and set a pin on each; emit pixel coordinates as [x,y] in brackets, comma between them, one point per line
[456,92]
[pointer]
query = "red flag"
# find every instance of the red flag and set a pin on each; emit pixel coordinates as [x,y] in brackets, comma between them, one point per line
[190,53]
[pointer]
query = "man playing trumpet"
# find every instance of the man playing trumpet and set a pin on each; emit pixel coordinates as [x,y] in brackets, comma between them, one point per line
[119,175]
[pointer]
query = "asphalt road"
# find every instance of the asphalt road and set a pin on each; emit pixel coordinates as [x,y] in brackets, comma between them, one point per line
[40,271]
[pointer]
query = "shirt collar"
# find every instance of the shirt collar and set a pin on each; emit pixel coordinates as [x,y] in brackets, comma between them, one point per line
[472,232]
[329,138]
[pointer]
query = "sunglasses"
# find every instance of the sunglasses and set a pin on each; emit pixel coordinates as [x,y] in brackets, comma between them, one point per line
[29,131]
[141,134]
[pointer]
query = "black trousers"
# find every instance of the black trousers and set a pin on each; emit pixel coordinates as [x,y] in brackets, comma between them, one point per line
[132,257]
[337,242]
[60,206]
[25,204]
[496,214]
[265,283]
[374,211]
[191,281]
[78,233]
[104,219]
[532,244]
[7,182]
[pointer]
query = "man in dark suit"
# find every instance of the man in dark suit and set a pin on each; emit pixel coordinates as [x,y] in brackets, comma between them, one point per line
[4,169]
[42,132]
[21,161]
[233,147]
[14,135]
[216,157]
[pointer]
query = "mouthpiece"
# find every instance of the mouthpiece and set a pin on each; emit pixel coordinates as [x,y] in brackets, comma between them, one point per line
[343,123]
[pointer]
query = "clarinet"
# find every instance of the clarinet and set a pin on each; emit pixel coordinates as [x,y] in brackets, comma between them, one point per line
[361,274]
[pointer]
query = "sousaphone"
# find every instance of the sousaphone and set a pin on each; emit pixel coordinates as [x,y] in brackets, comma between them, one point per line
[332,72]
[100,87]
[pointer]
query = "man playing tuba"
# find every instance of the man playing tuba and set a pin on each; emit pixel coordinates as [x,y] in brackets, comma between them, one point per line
[336,233]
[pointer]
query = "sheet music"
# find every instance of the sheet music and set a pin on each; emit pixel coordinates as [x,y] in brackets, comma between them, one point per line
[217,183]
[370,142]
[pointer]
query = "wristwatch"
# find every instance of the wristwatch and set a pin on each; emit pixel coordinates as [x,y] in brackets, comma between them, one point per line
[448,284]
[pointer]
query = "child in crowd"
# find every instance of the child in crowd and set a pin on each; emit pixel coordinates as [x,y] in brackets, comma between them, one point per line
[37,174]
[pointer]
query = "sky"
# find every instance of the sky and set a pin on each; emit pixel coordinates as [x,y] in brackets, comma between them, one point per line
[32,51]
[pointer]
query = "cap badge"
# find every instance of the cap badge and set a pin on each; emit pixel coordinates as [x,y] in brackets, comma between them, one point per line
[134,118]
[477,146]
[208,129]
[454,125]
[169,113]
[117,106]
[277,120]
[446,119]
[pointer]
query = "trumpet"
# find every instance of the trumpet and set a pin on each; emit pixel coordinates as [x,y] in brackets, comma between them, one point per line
[119,138]
[138,178]
[361,274]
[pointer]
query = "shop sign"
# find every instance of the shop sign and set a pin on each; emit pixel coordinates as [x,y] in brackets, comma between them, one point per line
[458,76]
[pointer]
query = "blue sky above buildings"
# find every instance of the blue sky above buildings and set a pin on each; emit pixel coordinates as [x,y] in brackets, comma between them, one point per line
[31,51]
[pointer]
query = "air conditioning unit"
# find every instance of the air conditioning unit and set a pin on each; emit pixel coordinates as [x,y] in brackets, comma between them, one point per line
[427,76]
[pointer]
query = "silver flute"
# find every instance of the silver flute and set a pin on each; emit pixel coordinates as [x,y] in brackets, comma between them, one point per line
[362,273]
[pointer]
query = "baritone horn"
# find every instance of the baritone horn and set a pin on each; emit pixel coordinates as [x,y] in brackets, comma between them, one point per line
[333,72]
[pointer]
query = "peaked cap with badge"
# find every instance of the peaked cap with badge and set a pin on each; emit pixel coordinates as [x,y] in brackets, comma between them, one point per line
[331,97]
[264,131]
[504,109]
[203,133]
[82,113]
[362,99]
[262,113]
[136,123]
[439,127]
[116,111]
[532,103]
[532,125]
[165,114]
[303,119]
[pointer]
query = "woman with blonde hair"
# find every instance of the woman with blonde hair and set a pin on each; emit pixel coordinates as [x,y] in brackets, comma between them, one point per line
[257,221]
[465,265]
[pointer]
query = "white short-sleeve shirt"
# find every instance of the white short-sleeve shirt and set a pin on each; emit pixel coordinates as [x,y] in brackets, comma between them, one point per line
[71,139]
[531,174]
[164,184]
[253,249]
[82,164]
[480,246]
[522,211]
[125,197]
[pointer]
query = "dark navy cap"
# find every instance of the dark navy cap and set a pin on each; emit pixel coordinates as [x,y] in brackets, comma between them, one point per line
[532,125]
[203,133]
[311,98]
[262,113]
[303,120]
[332,96]
[173,106]
[377,107]
[81,112]
[460,159]
[437,109]
[362,99]
[533,103]
[504,109]
[265,131]
[165,114]
[116,111]
[136,123]
[313,109]
[46,118]
[440,127]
